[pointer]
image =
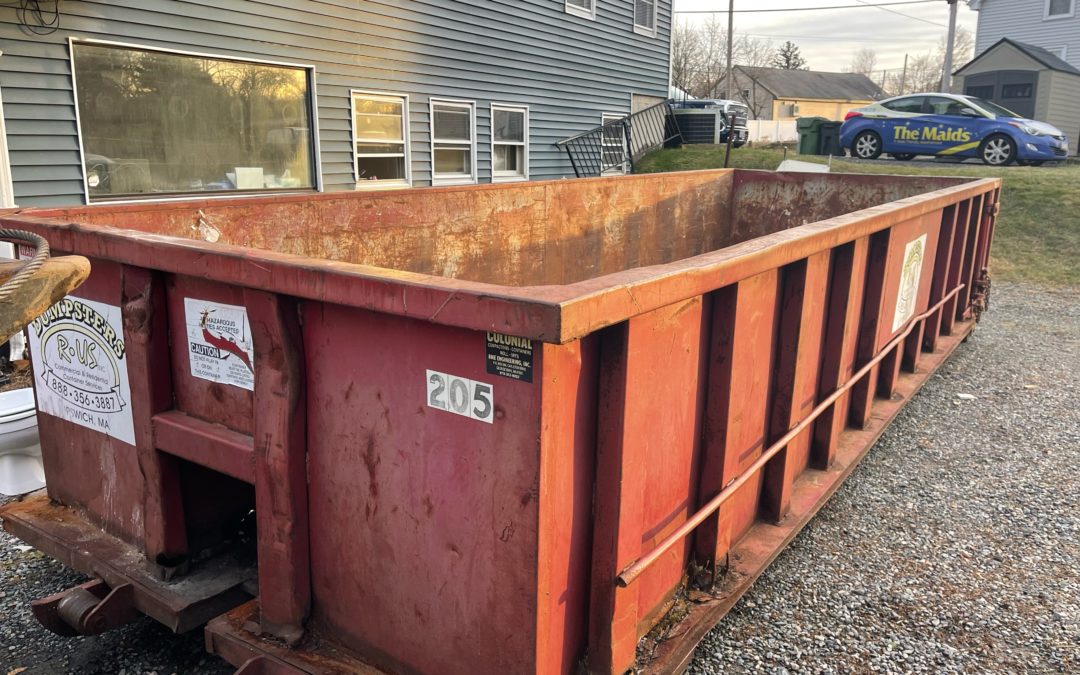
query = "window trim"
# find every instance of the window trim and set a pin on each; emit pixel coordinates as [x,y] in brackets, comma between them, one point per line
[313,111]
[457,103]
[406,136]
[1047,16]
[506,176]
[589,14]
[647,31]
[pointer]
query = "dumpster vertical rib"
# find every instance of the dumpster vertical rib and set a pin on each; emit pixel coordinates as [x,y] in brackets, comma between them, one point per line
[147,347]
[862,393]
[798,351]
[281,502]
[737,412]
[956,265]
[944,261]
[848,268]
[649,435]
[970,269]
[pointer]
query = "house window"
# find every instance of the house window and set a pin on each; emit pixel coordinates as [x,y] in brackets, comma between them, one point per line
[981,91]
[155,123]
[583,8]
[381,134]
[645,17]
[453,141]
[1016,90]
[1059,9]
[509,143]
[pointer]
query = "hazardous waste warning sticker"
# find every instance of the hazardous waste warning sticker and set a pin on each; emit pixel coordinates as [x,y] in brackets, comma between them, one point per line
[219,343]
[509,356]
[80,365]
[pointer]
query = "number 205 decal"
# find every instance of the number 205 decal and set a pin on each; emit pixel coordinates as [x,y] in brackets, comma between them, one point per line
[461,396]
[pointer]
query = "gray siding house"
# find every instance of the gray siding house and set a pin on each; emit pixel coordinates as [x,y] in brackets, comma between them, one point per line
[127,99]
[1053,25]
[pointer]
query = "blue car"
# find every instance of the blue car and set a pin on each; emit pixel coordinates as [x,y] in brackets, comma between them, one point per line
[950,125]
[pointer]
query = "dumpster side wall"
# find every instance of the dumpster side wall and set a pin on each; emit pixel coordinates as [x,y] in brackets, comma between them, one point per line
[567,69]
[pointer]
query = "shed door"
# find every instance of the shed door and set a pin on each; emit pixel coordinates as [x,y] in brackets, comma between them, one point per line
[1014,89]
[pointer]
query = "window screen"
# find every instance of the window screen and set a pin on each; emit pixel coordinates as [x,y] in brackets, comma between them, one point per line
[645,14]
[1059,7]
[452,142]
[509,140]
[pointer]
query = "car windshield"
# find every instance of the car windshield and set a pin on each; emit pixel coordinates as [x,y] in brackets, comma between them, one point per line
[992,108]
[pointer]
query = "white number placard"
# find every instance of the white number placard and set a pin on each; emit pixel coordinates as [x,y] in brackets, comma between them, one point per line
[461,396]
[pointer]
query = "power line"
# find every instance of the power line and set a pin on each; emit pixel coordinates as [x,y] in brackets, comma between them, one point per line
[881,5]
[908,16]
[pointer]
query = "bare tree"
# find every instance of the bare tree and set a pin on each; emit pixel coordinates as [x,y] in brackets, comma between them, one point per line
[863,62]
[788,57]
[699,57]
[924,71]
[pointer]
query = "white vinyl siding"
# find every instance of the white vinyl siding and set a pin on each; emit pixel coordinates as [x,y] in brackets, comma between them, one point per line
[645,17]
[381,139]
[509,143]
[453,142]
[582,8]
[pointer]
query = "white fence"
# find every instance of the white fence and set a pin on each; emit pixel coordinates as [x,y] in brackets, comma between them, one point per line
[772,131]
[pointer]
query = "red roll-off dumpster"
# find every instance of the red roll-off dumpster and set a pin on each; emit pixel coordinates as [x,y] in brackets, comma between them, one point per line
[492,429]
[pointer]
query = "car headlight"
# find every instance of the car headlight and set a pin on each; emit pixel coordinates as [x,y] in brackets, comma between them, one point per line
[1029,130]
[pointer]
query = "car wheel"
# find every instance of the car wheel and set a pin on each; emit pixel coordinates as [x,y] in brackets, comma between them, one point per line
[998,150]
[738,145]
[903,156]
[867,145]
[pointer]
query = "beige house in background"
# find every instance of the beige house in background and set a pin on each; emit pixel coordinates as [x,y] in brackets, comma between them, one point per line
[779,94]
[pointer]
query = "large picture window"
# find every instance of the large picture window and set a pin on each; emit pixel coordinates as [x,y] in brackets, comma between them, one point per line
[453,141]
[509,143]
[156,123]
[381,130]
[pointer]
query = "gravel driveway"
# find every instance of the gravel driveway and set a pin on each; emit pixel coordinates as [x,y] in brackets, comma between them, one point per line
[954,547]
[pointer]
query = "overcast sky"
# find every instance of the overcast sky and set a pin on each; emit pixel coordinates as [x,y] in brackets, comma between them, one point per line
[828,38]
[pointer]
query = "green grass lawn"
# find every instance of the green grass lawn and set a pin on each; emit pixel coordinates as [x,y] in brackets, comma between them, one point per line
[1038,233]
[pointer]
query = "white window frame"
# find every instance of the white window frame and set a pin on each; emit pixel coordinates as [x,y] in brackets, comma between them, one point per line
[581,11]
[362,182]
[604,119]
[456,179]
[510,176]
[1053,17]
[313,111]
[648,31]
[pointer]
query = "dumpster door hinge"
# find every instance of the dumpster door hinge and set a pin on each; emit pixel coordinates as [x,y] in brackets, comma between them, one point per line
[87,609]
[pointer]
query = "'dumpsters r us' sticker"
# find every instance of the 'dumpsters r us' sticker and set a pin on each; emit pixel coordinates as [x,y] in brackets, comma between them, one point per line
[80,366]
[220,348]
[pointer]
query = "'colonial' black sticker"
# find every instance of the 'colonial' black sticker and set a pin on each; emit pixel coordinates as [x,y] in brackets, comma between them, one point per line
[510,356]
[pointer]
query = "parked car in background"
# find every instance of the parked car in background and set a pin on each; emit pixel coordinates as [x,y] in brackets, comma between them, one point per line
[950,125]
[729,108]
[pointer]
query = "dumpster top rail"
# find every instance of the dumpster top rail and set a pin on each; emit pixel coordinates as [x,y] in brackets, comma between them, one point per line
[551,261]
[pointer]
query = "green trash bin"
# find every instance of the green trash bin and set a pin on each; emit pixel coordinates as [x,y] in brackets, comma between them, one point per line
[809,129]
[830,139]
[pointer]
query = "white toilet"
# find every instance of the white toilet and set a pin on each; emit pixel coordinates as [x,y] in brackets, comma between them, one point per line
[21,470]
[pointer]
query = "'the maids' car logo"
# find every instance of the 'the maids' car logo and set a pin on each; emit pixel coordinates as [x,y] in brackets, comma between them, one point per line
[931,135]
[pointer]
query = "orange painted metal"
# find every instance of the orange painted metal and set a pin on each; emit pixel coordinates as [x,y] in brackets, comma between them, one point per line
[701,358]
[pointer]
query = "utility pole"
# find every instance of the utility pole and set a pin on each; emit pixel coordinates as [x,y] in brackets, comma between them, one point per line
[946,73]
[903,78]
[730,50]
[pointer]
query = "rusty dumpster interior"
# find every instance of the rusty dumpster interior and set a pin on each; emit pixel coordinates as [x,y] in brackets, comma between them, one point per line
[533,234]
